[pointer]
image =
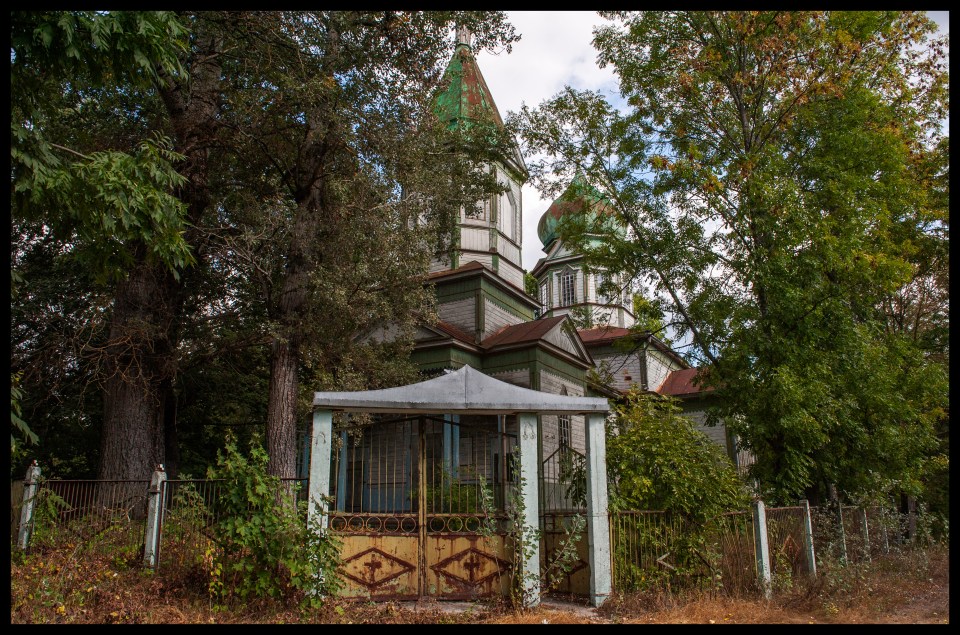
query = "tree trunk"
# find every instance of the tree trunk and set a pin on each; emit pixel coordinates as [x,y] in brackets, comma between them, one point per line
[282,411]
[132,443]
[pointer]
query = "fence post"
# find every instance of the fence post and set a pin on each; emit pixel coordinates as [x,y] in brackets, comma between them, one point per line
[30,485]
[762,547]
[862,513]
[529,479]
[151,540]
[883,529]
[843,534]
[808,539]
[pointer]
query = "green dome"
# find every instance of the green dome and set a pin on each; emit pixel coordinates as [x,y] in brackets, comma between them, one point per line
[580,197]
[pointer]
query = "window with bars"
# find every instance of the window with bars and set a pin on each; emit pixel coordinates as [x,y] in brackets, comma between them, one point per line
[568,291]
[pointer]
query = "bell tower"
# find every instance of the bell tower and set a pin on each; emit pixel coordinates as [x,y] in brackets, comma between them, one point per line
[491,236]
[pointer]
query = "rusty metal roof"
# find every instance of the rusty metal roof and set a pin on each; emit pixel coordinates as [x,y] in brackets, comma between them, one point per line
[524,332]
[470,266]
[603,334]
[454,332]
[681,382]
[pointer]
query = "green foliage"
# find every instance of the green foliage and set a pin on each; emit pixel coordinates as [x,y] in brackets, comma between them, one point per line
[523,541]
[530,285]
[266,545]
[99,203]
[657,459]
[18,424]
[782,175]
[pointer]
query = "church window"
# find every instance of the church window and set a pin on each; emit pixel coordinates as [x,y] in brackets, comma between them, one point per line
[568,293]
[543,294]
[564,430]
[602,295]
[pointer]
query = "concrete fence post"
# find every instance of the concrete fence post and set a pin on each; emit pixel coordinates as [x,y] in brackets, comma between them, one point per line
[151,541]
[762,548]
[598,520]
[808,539]
[530,480]
[862,514]
[30,486]
[842,533]
[321,446]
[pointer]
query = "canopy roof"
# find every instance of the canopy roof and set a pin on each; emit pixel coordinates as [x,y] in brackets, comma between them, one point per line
[465,391]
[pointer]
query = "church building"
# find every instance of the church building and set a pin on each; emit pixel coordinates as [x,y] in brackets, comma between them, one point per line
[489,322]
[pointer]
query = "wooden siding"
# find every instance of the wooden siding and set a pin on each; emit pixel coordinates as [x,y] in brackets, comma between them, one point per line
[561,339]
[475,238]
[461,313]
[658,367]
[520,377]
[495,317]
[549,423]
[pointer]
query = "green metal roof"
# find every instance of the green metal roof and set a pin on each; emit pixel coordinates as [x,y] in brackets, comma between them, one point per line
[466,99]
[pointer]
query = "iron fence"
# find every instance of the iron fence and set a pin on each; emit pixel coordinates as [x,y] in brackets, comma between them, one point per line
[100,515]
[647,547]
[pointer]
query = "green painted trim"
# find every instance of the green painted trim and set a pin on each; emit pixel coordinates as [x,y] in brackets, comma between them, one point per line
[509,301]
[479,315]
[561,367]
[495,258]
[445,357]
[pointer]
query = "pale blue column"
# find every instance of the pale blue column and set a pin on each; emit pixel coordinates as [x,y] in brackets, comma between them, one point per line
[529,479]
[598,522]
[320,448]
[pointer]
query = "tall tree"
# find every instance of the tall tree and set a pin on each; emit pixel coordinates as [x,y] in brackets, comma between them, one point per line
[358,183]
[106,199]
[287,156]
[765,163]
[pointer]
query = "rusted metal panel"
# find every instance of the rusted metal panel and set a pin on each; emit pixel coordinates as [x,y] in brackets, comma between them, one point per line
[380,567]
[576,580]
[466,567]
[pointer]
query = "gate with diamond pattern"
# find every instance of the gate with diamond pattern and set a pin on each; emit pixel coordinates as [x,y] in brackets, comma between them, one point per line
[419,504]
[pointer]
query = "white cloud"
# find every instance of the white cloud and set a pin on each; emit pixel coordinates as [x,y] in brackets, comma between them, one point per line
[555,50]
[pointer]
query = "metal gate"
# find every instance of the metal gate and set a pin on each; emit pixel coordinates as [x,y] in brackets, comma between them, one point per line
[419,504]
[563,504]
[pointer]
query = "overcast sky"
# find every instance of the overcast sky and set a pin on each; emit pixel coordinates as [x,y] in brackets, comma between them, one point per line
[554,51]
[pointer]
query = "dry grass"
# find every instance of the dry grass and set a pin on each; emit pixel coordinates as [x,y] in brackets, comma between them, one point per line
[65,586]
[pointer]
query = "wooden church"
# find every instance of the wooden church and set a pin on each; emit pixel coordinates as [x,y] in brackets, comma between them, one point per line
[488,321]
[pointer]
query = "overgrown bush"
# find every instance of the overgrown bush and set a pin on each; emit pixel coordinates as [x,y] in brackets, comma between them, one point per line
[265,546]
[658,460]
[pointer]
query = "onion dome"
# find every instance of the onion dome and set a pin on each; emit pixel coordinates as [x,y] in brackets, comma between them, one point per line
[580,198]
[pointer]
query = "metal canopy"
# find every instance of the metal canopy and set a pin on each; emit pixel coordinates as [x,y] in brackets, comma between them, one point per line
[465,391]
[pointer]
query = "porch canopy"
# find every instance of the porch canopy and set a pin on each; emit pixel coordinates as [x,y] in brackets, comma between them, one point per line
[459,392]
[468,391]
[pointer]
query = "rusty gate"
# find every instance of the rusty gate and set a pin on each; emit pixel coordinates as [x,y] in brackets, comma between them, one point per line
[419,504]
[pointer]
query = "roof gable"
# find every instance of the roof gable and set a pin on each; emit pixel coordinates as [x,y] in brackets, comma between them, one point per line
[557,331]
